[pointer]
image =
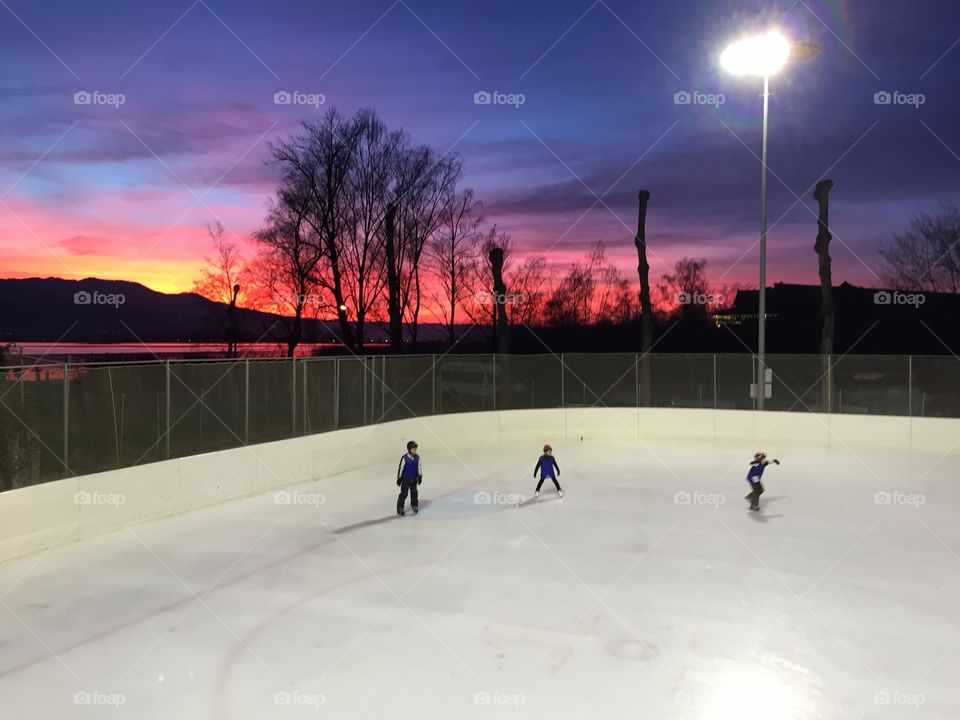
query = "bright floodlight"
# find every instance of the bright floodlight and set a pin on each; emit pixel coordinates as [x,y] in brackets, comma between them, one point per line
[761,55]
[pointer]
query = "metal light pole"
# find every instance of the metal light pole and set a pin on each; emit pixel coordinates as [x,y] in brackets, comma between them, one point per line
[762,320]
[763,56]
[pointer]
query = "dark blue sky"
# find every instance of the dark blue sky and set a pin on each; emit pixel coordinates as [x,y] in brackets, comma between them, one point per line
[125,191]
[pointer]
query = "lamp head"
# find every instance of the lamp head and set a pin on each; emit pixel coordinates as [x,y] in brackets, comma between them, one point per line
[758,55]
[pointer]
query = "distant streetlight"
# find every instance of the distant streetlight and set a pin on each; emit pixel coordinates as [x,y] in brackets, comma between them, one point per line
[762,56]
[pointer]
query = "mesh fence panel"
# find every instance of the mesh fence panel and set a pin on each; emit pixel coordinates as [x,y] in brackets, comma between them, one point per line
[528,381]
[273,400]
[798,383]
[600,380]
[871,385]
[406,387]
[117,417]
[319,391]
[354,393]
[207,407]
[685,381]
[734,375]
[936,387]
[465,383]
[31,426]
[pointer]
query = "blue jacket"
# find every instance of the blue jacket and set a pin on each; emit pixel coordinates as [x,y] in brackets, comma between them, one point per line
[546,464]
[410,467]
[756,471]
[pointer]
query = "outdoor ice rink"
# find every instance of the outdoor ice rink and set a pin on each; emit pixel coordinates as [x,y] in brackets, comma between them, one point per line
[648,591]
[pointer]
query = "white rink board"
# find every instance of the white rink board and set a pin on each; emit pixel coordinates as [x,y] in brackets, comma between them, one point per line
[35,518]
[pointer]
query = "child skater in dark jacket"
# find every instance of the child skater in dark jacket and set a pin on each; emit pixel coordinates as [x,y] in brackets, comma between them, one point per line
[757,466]
[409,476]
[548,467]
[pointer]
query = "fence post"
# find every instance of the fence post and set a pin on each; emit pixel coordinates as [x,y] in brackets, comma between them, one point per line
[336,393]
[714,381]
[66,418]
[383,388]
[293,396]
[829,384]
[636,376]
[910,396]
[303,396]
[166,393]
[246,401]
[563,384]
[494,384]
[433,385]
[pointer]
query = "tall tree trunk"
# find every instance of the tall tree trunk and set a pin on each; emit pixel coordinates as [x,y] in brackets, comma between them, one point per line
[827,308]
[296,330]
[454,289]
[646,306]
[415,312]
[232,324]
[338,298]
[502,386]
[500,300]
[393,283]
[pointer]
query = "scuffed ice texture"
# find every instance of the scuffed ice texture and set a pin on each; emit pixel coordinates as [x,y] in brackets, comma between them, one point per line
[648,591]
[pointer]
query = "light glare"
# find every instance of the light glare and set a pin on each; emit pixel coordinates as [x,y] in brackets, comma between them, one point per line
[761,55]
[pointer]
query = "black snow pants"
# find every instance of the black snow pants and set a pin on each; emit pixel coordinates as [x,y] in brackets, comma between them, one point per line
[408,485]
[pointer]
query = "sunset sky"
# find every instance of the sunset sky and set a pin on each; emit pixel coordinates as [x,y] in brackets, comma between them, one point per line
[125,192]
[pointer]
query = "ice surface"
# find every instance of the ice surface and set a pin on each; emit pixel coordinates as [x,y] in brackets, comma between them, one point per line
[622,600]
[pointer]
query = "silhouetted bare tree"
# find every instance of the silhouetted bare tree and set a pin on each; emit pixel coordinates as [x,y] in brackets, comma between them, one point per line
[220,281]
[926,256]
[291,256]
[687,286]
[453,255]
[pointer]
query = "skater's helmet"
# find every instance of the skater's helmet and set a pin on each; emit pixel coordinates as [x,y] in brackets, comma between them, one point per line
[547,448]
[759,456]
[411,445]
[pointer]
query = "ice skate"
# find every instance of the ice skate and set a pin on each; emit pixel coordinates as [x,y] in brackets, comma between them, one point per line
[560,493]
[536,494]
[416,509]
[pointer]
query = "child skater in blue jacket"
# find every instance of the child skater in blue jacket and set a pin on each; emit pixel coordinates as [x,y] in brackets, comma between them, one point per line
[757,466]
[409,476]
[548,467]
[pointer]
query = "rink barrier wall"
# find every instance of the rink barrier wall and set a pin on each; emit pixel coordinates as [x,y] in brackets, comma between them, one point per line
[41,516]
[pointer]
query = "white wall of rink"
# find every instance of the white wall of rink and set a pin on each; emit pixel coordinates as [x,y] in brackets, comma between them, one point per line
[41,516]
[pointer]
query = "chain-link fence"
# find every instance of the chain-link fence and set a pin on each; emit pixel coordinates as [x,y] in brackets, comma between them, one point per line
[58,421]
